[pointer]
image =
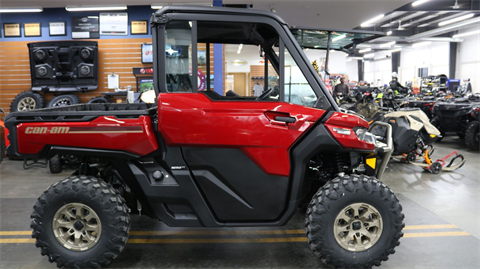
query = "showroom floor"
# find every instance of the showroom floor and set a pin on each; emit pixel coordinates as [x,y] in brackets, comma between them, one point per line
[442,217]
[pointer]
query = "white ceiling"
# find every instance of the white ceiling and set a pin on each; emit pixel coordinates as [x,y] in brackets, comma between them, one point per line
[345,14]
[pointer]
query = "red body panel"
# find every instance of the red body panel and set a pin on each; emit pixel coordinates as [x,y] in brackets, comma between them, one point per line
[192,119]
[342,120]
[131,135]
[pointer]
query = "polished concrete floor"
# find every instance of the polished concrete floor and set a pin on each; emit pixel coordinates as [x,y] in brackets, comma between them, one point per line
[442,217]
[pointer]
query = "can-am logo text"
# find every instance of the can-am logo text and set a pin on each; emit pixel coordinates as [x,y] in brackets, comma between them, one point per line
[47,130]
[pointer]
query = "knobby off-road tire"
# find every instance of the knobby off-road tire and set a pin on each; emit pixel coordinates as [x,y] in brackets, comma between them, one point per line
[64,100]
[26,101]
[335,207]
[55,164]
[471,136]
[99,100]
[92,203]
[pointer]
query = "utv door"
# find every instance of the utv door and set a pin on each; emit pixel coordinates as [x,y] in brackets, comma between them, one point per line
[237,148]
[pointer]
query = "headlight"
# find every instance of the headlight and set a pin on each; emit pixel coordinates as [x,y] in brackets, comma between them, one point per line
[361,133]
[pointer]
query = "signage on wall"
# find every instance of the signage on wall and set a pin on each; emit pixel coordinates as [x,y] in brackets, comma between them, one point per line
[85,27]
[32,29]
[11,29]
[238,62]
[113,23]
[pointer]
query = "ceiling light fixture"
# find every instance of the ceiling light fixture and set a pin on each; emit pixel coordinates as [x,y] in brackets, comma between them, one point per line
[95,8]
[19,9]
[419,2]
[424,25]
[240,47]
[349,60]
[456,6]
[273,10]
[389,44]
[461,18]
[367,23]
[395,50]
[338,38]
[365,50]
[421,44]
[156,6]
[466,34]
[389,32]
[370,55]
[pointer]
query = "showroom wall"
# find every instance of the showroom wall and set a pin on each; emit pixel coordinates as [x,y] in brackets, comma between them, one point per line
[468,58]
[117,54]
[434,56]
[378,71]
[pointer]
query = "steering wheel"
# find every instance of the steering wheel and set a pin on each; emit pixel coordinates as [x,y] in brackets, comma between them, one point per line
[265,94]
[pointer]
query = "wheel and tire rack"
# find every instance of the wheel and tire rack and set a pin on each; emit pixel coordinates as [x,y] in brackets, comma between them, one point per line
[99,100]
[80,222]
[64,100]
[472,136]
[27,100]
[354,221]
[55,164]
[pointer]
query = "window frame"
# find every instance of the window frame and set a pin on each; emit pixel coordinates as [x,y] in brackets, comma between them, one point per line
[324,100]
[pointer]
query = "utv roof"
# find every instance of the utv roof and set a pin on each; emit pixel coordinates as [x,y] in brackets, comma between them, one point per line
[214,10]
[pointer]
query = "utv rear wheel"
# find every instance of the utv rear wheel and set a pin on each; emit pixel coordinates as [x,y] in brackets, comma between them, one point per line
[354,221]
[80,222]
[55,164]
[472,136]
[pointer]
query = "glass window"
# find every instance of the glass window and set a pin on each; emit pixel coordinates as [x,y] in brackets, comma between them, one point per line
[297,89]
[178,54]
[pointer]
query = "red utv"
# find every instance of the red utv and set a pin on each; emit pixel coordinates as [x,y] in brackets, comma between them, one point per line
[199,158]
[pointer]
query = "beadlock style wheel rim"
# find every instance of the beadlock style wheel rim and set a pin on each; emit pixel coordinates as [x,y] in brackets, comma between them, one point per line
[63,102]
[77,227]
[358,227]
[27,103]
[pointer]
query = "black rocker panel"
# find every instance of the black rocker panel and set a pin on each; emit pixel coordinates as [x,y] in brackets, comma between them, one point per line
[235,187]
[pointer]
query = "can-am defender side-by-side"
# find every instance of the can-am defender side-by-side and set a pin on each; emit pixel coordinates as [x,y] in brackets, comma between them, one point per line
[200,159]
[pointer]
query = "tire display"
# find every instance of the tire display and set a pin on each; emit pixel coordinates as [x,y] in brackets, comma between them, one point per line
[77,214]
[64,100]
[354,221]
[55,164]
[99,100]
[472,136]
[27,100]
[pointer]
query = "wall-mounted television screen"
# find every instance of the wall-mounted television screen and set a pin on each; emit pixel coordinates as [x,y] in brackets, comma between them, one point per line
[147,53]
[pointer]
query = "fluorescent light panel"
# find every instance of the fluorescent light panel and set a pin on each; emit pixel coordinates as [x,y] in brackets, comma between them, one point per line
[461,18]
[389,32]
[389,44]
[365,50]
[370,55]
[367,23]
[419,2]
[421,44]
[20,10]
[466,34]
[156,6]
[95,8]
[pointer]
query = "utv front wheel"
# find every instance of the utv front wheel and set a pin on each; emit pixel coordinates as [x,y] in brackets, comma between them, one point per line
[80,222]
[354,221]
[472,136]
